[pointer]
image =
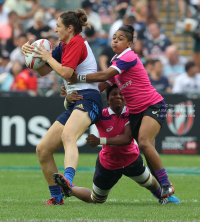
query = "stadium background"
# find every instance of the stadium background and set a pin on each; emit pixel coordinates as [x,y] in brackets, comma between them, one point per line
[28,108]
[26,113]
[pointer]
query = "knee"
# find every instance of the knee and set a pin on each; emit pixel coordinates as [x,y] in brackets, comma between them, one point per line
[143,143]
[41,152]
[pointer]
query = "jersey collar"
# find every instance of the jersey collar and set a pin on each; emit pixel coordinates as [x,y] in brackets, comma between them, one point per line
[118,56]
[111,112]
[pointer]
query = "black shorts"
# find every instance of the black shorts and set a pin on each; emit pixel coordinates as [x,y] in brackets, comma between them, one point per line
[156,111]
[105,179]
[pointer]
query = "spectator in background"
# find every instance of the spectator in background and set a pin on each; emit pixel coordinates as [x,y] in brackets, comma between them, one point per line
[6,29]
[143,33]
[174,64]
[149,66]
[11,43]
[39,30]
[127,20]
[105,58]
[93,18]
[141,15]
[104,9]
[52,22]
[6,77]
[137,47]
[155,47]
[24,9]
[23,79]
[121,7]
[159,82]
[4,60]
[16,54]
[3,12]
[188,82]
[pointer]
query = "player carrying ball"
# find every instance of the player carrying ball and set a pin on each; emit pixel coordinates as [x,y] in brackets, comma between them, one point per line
[73,53]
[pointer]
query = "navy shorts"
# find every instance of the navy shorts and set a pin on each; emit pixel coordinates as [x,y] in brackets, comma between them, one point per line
[90,103]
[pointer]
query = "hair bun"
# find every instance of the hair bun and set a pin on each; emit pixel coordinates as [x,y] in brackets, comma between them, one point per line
[130,28]
[81,15]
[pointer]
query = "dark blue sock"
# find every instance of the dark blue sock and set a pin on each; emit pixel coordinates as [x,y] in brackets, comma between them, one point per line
[69,174]
[162,177]
[157,193]
[55,191]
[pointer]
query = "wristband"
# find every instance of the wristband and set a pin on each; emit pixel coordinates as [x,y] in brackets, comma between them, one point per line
[102,140]
[81,78]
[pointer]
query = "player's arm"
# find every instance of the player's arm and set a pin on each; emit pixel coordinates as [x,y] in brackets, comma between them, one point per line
[44,70]
[121,140]
[103,85]
[63,71]
[94,77]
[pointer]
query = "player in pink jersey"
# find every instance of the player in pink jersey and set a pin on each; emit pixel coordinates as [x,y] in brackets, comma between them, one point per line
[72,53]
[119,155]
[147,107]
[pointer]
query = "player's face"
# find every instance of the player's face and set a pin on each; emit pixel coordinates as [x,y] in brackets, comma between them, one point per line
[61,31]
[120,42]
[116,100]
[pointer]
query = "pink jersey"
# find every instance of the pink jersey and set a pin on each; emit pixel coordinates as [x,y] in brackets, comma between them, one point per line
[133,82]
[110,125]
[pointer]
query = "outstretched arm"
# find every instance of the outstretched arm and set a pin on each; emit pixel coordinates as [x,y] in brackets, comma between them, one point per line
[121,140]
[94,77]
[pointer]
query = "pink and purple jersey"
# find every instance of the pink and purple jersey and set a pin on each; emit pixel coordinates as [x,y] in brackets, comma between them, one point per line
[133,82]
[110,125]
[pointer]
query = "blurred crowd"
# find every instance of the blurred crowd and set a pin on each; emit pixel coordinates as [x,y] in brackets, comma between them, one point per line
[169,72]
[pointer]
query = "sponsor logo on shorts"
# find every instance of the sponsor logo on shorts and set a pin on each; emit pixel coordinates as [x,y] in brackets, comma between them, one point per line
[80,106]
[154,112]
[109,129]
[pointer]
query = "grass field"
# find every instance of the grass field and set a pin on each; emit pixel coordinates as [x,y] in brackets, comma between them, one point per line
[23,192]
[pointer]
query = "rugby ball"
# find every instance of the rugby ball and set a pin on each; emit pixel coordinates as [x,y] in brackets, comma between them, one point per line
[35,63]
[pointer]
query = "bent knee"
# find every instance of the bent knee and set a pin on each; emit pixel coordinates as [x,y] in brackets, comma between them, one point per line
[42,151]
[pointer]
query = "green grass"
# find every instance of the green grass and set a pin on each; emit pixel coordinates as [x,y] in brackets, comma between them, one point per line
[23,193]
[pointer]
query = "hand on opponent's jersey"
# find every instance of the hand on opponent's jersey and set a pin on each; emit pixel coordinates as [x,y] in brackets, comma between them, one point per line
[92,140]
[27,48]
[63,91]
[73,97]
[42,53]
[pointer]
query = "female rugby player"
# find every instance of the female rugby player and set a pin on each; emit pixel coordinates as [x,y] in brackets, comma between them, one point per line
[73,53]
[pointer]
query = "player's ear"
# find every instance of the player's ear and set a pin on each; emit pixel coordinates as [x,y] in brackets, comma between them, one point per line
[129,44]
[70,28]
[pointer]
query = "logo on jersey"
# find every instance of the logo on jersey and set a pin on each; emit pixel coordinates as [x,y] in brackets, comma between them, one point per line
[109,129]
[80,106]
[180,118]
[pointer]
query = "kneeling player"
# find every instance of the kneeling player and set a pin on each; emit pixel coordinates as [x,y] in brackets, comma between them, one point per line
[119,155]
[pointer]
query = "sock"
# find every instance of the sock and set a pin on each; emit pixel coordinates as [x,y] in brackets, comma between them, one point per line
[69,174]
[162,177]
[157,193]
[55,191]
